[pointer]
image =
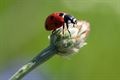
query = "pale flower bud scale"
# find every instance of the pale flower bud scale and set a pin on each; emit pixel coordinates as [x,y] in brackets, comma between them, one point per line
[69,43]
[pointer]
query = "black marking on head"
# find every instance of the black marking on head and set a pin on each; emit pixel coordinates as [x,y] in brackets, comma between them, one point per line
[70,19]
[67,18]
[74,20]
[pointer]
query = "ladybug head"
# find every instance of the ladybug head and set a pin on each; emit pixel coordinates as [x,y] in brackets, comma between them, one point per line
[54,21]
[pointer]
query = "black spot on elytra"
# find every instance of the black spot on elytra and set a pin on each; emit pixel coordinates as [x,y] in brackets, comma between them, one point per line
[61,14]
[56,23]
[51,17]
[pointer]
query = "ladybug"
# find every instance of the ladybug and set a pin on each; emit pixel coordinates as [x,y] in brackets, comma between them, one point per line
[59,19]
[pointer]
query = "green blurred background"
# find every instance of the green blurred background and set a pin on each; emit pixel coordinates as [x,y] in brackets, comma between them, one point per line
[22,36]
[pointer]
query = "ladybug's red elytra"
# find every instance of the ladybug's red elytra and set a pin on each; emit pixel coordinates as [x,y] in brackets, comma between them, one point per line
[59,19]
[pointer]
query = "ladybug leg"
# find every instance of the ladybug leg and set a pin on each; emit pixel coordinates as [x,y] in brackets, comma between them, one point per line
[73,25]
[63,28]
[53,31]
[68,29]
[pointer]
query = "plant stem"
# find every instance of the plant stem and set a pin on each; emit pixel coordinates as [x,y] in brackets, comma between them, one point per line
[39,59]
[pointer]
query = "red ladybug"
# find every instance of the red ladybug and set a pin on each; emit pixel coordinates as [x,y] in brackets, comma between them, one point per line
[59,19]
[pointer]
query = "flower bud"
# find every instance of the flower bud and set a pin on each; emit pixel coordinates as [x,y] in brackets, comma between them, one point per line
[69,41]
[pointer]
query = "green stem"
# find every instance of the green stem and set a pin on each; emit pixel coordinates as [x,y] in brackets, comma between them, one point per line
[39,59]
